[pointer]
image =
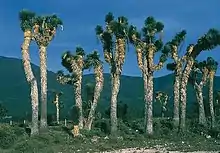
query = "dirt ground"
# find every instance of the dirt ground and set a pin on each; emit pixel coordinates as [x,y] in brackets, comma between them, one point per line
[144,150]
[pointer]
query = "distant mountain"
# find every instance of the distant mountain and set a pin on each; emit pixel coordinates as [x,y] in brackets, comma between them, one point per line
[14,90]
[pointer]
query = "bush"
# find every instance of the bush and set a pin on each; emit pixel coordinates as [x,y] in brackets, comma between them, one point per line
[137,125]
[163,126]
[103,125]
[9,134]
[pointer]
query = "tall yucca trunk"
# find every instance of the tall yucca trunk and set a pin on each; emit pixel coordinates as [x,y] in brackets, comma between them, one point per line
[78,99]
[57,112]
[176,105]
[115,77]
[176,90]
[31,80]
[199,97]
[211,106]
[145,79]
[149,118]
[150,89]
[183,92]
[56,102]
[98,88]
[115,91]
[43,76]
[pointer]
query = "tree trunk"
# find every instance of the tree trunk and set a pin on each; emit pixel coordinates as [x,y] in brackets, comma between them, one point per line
[176,104]
[115,90]
[144,70]
[43,75]
[91,115]
[78,99]
[149,119]
[58,113]
[31,81]
[199,96]
[183,93]
[211,80]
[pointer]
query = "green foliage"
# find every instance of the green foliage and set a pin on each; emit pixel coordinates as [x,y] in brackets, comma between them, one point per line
[26,19]
[92,60]
[80,51]
[109,17]
[208,41]
[103,125]
[66,60]
[151,27]
[171,66]
[9,134]
[132,30]
[212,65]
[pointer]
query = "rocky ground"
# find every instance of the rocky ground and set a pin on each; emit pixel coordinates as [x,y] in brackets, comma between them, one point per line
[159,150]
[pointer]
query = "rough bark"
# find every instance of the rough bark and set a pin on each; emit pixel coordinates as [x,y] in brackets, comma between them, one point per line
[211,106]
[177,79]
[98,88]
[43,76]
[199,97]
[31,81]
[113,114]
[149,117]
[116,69]
[176,106]
[57,113]
[78,99]
[145,79]
[183,92]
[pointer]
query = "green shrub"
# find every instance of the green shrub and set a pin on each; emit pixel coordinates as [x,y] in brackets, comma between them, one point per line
[9,134]
[103,125]
[163,126]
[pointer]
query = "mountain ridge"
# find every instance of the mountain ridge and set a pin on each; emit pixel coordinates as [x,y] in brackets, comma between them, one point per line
[14,90]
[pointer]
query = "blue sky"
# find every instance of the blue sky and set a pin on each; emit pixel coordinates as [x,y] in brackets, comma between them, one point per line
[80,17]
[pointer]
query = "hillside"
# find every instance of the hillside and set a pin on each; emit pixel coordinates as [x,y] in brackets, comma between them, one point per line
[14,91]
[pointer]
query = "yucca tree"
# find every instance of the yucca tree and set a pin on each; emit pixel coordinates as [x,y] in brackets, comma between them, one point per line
[45,28]
[174,47]
[212,68]
[113,39]
[58,104]
[74,63]
[26,23]
[198,79]
[146,48]
[162,98]
[93,61]
[208,41]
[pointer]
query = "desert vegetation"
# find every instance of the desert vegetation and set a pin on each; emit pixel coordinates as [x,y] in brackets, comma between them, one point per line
[90,129]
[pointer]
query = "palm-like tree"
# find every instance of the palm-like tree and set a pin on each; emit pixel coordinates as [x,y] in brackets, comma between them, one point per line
[26,23]
[162,98]
[146,48]
[58,104]
[208,41]
[113,39]
[212,68]
[93,60]
[174,46]
[45,28]
[75,65]
[199,68]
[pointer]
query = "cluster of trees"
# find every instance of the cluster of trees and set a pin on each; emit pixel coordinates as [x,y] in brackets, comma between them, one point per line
[115,37]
